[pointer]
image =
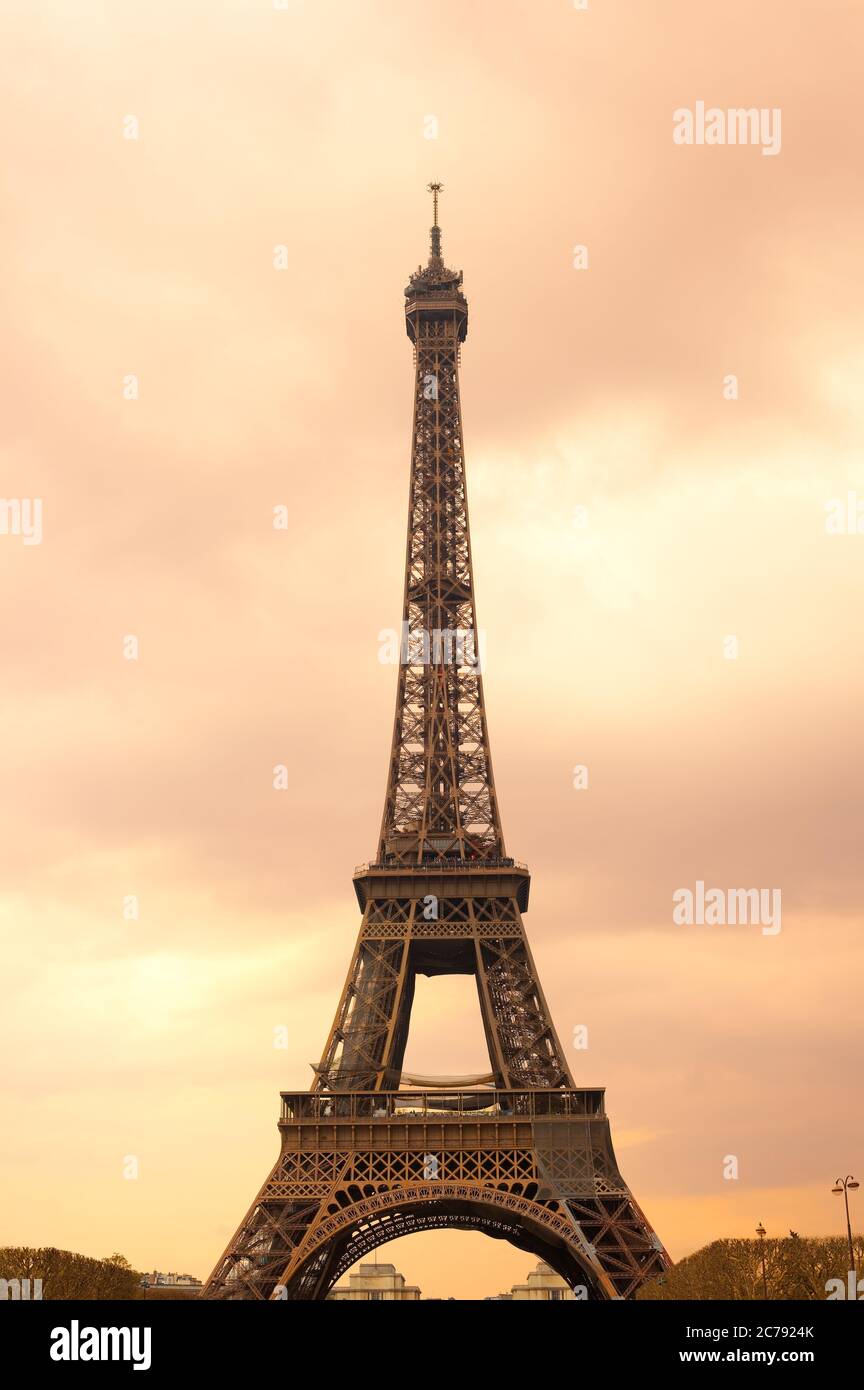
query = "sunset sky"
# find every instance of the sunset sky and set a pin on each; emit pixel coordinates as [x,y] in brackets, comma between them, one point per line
[305,127]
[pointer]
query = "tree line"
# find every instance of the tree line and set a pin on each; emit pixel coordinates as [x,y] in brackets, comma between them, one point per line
[796,1267]
[64,1274]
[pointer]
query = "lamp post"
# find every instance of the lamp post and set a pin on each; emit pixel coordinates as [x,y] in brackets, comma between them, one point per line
[761,1233]
[847,1185]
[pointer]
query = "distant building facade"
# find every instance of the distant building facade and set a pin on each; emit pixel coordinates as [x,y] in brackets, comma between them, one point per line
[370,1283]
[158,1280]
[542,1283]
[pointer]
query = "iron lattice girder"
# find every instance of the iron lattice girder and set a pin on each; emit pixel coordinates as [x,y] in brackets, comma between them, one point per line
[440,791]
[398,940]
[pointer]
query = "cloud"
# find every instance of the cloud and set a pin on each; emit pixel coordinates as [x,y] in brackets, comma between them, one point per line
[599,389]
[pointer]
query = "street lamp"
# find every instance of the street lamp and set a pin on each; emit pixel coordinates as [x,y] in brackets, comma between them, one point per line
[847,1185]
[761,1233]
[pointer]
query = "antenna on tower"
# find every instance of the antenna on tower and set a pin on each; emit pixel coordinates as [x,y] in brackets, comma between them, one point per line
[435,234]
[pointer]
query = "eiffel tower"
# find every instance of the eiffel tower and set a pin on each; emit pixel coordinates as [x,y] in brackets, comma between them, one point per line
[371,1153]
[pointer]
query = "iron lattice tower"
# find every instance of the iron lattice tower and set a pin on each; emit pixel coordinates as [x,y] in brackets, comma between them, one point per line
[370,1153]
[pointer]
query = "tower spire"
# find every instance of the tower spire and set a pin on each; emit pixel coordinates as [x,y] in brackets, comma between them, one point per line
[435,230]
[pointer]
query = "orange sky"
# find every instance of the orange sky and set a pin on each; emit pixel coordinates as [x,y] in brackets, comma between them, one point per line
[603,388]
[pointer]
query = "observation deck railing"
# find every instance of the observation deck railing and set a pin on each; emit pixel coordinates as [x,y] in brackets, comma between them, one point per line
[316,1107]
[438,866]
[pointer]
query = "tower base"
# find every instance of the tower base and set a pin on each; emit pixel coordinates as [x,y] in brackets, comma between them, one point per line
[360,1168]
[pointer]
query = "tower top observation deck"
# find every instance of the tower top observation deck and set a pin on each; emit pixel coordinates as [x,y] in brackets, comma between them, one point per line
[433,294]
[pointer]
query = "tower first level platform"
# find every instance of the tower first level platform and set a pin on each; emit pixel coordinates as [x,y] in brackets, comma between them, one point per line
[357,1169]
